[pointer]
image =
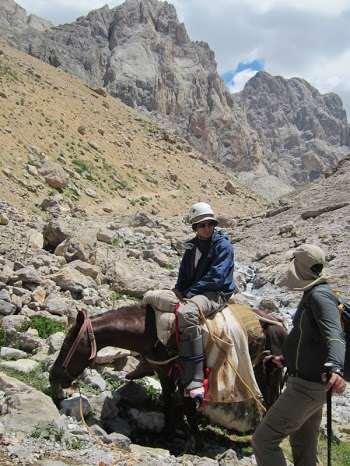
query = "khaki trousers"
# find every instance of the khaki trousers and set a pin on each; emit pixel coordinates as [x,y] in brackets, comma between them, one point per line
[188,313]
[297,413]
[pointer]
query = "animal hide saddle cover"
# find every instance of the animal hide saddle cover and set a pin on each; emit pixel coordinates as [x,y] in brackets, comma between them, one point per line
[226,348]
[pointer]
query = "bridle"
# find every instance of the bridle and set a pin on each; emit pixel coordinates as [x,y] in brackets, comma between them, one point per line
[86,327]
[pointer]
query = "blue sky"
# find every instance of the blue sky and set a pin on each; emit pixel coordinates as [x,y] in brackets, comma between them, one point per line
[304,38]
[238,76]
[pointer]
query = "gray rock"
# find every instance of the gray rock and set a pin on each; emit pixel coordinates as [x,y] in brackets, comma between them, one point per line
[105,236]
[120,440]
[229,458]
[74,405]
[11,353]
[72,280]
[56,304]
[24,366]
[55,176]
[93,378]
[85,268]
[55,341]
[26,406]
[6,308]
[3,219]
[28,275]
[73,249]
[14,322]
[110,354]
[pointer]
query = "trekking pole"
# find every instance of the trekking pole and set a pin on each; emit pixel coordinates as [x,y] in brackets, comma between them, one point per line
[329,368]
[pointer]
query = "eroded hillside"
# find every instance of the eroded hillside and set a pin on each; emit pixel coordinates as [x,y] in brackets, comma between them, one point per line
[65,142]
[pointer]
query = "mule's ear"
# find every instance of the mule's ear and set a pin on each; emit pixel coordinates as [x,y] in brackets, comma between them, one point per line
[81,316]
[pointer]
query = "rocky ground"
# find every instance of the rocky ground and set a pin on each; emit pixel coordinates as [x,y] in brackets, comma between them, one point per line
[91,218]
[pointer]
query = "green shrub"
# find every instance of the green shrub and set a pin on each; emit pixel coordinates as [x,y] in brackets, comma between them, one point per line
[48,432]
[46,326]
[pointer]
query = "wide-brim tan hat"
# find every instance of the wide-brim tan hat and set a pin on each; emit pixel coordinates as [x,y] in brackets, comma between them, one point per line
[300,275]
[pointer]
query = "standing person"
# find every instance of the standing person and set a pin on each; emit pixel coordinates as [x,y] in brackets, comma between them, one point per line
[315,342]
[205,283]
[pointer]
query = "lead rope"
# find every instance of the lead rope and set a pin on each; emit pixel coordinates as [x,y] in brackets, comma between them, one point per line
[216,339]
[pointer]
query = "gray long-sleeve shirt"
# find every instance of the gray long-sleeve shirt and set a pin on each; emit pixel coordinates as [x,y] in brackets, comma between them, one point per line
[317,336]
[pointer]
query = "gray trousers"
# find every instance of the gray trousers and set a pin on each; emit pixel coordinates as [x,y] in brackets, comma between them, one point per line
[297,413]
[189,315]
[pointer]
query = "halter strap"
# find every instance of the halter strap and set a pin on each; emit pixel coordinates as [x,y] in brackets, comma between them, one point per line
[86,327]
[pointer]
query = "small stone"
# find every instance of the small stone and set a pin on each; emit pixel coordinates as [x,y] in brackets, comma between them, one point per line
[3,219]
[90,192]
[82,130]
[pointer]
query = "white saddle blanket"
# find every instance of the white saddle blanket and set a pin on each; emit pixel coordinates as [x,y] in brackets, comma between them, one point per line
[228,358]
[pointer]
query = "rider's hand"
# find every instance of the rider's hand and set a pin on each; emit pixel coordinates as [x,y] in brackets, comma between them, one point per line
[335,382]
[276,360]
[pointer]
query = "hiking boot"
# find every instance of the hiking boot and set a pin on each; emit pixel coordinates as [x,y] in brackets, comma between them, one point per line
[143,369]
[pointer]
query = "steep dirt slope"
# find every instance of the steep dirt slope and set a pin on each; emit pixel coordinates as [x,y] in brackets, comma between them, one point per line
[104,154]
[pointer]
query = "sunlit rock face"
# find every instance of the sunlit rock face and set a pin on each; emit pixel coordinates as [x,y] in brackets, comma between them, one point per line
[278,133]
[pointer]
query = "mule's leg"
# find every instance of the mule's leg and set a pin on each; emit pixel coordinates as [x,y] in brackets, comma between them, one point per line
[173,415]
[195,438]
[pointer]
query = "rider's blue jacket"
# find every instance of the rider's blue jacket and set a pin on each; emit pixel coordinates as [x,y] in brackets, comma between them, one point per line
[214,271]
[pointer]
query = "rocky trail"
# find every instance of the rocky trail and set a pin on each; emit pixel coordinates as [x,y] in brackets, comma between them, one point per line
[92,202]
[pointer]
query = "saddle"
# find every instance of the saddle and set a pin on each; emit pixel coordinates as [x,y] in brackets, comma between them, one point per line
[233,338]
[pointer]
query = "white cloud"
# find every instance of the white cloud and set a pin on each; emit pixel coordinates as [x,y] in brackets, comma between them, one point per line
[240,79]
[324,7]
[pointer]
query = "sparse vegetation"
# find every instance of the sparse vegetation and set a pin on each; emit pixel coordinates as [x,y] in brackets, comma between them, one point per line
[48,432]
[117,242]
[71,192]
[141,201]
[7,72]
[46,326]
[34,378]
[82,167]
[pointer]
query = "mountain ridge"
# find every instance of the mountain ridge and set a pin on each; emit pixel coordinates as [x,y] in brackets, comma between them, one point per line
[140,53]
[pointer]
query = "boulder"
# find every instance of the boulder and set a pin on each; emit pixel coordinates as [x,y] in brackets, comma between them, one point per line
[36,239]
[24,366]
[73,249]
[27,275]
[56,304]
[54,233]
[11,353]
[74,405]
[72,280]
[7,308]
[54,175]
[85,268]
[26,406]
[110,354]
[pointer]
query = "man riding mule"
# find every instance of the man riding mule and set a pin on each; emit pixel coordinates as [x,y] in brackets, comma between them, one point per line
[204,285]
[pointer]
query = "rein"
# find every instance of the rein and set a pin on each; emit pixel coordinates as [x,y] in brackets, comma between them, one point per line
[86,327]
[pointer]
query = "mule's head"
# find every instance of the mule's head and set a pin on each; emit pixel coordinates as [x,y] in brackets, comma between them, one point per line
[64,372]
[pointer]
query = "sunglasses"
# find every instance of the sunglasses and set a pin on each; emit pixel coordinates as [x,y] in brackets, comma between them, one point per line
[205,224]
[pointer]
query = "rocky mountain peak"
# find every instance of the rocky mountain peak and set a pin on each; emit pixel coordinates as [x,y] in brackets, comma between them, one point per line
[141,53]
[14,16]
